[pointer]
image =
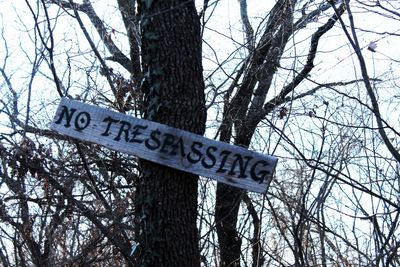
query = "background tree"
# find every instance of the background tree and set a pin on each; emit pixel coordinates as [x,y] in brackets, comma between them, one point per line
[247,107]
[312,82]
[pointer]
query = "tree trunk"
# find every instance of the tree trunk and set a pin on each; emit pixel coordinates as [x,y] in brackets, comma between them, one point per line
[228,200]
[166,199]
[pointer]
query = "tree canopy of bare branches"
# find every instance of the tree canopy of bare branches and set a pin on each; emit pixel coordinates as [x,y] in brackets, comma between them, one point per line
[314,83]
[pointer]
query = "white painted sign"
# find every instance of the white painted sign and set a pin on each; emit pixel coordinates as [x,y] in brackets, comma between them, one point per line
[165,145]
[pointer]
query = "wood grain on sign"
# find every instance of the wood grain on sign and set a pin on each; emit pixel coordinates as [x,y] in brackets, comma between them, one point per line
[165,145]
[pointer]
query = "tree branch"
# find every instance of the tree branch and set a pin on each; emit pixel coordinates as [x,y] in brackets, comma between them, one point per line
[257,114]
[127,9]
[246,25]
[87,8]
[367,82]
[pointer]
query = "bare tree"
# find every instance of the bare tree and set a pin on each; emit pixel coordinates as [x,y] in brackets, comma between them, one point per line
[312,82]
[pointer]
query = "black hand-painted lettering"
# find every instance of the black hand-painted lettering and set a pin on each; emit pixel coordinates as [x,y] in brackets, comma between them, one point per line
[153,142]
[195,152]
[168,141]
[179,144]
[124,128]
[225,155]
[110,121]
[68,116]
[260,176]
[82,120]
[242,165]
[209,154]
[136,132]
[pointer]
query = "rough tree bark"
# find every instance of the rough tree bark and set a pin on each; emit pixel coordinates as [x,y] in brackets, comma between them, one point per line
[174,95]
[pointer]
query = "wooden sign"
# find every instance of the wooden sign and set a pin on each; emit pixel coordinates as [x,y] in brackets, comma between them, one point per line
[165,145]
